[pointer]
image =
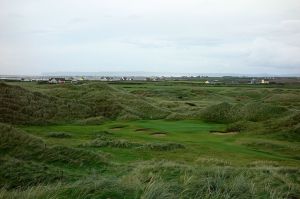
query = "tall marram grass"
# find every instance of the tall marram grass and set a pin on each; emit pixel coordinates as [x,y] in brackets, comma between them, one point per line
[165,179]
[225,112]
[26,160]
[84,104]
[105,141]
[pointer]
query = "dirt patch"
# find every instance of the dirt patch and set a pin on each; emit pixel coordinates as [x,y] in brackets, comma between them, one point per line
[142,129]
[116,129]
[159,134]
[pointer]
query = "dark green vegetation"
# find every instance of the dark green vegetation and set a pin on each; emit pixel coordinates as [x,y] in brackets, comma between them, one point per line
[149,140]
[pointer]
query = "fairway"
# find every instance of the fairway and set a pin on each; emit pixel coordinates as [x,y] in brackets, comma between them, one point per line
[197,137]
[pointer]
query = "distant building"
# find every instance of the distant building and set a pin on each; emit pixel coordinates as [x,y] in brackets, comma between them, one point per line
[57,81]
[104,78]
[74,81]
[253,81]
[264,81]
[207,82]
[52,81]
[139,78]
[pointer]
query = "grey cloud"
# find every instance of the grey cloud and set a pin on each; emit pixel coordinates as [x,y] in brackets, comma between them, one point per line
[171,35]
[277,54]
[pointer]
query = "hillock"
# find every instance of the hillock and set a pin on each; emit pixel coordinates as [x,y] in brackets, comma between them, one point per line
[26,160]
[72,103]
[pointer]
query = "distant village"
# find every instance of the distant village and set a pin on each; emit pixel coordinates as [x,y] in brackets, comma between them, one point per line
[199,79]
[76,79]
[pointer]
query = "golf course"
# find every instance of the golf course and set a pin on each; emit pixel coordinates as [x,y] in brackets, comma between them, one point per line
[167,139]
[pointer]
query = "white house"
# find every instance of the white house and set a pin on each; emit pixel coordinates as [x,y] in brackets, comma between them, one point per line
[264,81]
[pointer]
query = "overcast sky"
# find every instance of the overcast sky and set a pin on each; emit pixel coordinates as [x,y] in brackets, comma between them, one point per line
[189,36]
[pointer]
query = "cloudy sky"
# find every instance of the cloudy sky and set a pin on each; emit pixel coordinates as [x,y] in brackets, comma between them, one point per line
[176,36]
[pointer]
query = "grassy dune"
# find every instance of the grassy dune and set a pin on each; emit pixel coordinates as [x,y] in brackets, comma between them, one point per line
[149,140]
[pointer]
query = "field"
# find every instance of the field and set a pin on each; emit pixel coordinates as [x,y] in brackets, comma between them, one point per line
[149,140]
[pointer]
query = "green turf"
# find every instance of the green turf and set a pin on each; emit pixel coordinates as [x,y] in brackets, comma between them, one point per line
[169,139]
[195,135]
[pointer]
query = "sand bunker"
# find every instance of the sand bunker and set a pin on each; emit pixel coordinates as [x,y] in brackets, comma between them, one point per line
[225,133]
[159,134]
[115,129]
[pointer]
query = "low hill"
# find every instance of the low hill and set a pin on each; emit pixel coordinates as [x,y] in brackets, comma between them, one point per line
[23,155]
[70,103]
[18,105]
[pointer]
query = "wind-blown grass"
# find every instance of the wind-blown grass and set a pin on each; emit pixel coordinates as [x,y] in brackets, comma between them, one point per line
[116,148]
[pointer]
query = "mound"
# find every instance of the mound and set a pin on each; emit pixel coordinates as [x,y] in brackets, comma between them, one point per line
[18,105]
[26,160]
[19,144]
[86,104]
[226,112]
[287,127]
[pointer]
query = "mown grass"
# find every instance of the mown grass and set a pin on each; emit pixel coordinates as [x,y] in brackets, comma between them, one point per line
[194,135]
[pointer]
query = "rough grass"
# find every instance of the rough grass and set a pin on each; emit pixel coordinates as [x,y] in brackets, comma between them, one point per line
[94,103]
[27,160]
[84,104]
[104,141]
[165,179]
[157,178]
[255,112]
[17,143]
[120,162]
[92,121]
